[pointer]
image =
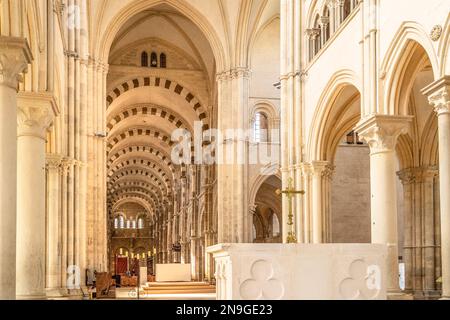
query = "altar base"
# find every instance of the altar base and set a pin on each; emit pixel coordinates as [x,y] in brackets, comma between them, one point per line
[300,271]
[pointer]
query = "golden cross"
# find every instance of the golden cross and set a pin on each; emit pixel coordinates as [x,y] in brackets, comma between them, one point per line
[290,192]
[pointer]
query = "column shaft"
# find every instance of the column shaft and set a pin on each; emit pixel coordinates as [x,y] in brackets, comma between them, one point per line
[36,112]
[8,178]
[381,133]
[439,97]
[14,59]
[444,179]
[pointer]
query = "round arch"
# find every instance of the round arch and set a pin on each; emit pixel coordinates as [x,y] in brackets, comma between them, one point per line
[405,47]
[318,147]
[126,13]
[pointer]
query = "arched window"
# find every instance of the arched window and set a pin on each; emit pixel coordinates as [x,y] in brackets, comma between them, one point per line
[318,34]
[253,232]
[128,224]
[347,9]
[121,222]
[163,60]
[154,60]
[260,127]
[116,223]
[144,59]
[141,223]
[275,225]
[326,24]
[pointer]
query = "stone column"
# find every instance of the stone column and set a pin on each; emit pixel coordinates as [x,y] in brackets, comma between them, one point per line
[314,44]
[340,11]
[232,151]
[381,133]
[407,179]
[420,238]
[321,171]
[439,97]
[53,256]
[36,113]
[14,58]
[324,29]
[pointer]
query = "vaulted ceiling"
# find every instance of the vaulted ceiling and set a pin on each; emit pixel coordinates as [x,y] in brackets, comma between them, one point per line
[146,105]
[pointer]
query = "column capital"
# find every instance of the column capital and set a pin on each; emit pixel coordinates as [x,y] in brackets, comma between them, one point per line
[53,161]
[417,175]
[324,20]
[15,57]
[381,131]
[36,113]
[66,163]
[312,33]
[234,73]
[322,168]
[439,95]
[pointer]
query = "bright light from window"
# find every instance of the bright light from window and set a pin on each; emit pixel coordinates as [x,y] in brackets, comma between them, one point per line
[260,127]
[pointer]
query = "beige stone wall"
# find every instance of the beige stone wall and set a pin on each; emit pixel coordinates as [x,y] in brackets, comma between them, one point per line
[350,195]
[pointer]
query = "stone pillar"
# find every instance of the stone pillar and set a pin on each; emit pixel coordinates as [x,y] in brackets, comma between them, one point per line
[439,97]
[340,11]
[14,58]
[311,51]
[306,222]
[381,133]
[53,256]
[36,113]
[324,29]
[420,238]
[314,43]
[232,174]
[407,179]
[321,171]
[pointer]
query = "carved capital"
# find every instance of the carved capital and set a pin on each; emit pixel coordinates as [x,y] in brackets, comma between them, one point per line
[66,163]
[53,162]
[439,95]
[322,169]
[418,175]
[381,132]
[324,20]
[15,55]
[313,33]
[36,112]
[306,169]
[406,176]
[235,73]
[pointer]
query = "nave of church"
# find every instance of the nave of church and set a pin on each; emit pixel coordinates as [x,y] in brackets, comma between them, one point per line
[207,149]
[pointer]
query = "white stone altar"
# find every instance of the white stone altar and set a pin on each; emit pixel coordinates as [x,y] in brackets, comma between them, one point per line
[300,271]
[173,272]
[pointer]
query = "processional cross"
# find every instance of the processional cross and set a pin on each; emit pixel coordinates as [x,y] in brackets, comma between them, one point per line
[290,192]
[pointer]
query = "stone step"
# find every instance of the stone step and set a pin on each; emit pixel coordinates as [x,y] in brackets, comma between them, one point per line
[178,287]
[193,283]
[179,291]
